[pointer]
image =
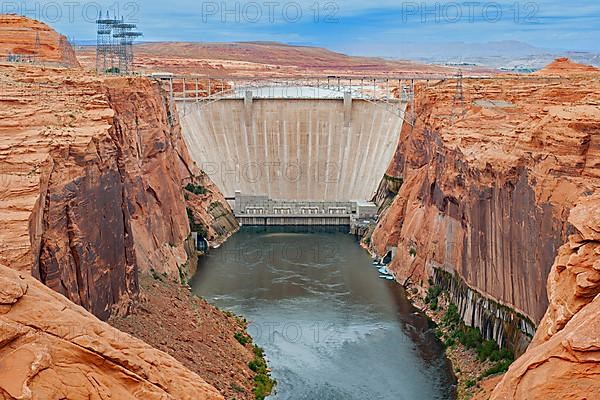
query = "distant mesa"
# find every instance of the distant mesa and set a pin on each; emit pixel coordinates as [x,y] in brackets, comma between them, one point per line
[564,66]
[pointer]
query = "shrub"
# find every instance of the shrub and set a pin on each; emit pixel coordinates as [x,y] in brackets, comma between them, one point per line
[196,189]
[498,368]
[433,304]
[412,252]
[241,338]
[264,386]
[452,317]
[486,350]
[433,293]
[263,382]
[471,338]
[470,383]
[155,275]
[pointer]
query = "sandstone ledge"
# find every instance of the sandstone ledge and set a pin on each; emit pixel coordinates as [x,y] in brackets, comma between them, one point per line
[53,349]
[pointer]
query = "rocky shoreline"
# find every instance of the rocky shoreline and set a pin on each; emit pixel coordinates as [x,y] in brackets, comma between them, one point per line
[466,367]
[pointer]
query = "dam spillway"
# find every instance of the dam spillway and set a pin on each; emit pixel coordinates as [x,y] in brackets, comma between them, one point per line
[292,149]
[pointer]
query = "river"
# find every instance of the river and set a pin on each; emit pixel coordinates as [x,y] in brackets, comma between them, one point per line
[331,328]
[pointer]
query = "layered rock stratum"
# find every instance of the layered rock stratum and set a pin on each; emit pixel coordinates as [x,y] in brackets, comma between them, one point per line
[92,171]
[34,41]
[563,361]
[488,174]
[52,349]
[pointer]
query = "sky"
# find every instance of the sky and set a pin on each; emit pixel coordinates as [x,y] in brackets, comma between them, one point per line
[363,27]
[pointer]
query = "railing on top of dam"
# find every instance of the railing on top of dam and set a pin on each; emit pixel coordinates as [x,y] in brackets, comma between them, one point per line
[392,94]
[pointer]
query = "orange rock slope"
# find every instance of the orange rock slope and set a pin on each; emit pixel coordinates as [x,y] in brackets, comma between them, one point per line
[490,172]
[52,349]
[18,36]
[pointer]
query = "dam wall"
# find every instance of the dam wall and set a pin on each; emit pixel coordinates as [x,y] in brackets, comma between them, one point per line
[292,149]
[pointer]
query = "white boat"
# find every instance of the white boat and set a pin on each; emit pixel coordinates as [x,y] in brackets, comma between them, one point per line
[384,270]
[387,277]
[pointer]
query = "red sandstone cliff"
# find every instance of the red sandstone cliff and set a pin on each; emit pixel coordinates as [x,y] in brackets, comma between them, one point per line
[18,36]
[52,349]
[563,361]
[95,169]
[488,183]
[91,172]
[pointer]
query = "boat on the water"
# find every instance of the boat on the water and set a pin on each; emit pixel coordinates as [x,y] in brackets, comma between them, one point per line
[387,277]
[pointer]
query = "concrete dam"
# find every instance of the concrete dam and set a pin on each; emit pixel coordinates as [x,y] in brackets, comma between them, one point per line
[282,157]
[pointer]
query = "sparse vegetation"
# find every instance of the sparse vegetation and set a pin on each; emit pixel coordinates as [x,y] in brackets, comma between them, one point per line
[237,388]
[196,189]
[263,381]
[195,227]
[499,368]
[433,293]
[155,275]
[183,276]
[455,331]
[242,338]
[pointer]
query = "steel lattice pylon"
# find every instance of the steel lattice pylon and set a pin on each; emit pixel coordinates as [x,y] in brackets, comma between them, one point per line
[114,47]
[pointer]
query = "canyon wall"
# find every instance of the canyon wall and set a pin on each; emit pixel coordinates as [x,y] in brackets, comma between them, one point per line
[292,149]
[113,206]
[91,196]
[487,182]
[92,171]
[563,360]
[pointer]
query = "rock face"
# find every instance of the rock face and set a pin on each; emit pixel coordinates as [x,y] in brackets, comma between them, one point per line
[18,37]
[92,172]
[53,349]
[91,175]
[487,185]
[121,207]
[563,361]
[211,212]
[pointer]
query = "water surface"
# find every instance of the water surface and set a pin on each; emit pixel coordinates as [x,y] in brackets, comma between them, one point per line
[330,327]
